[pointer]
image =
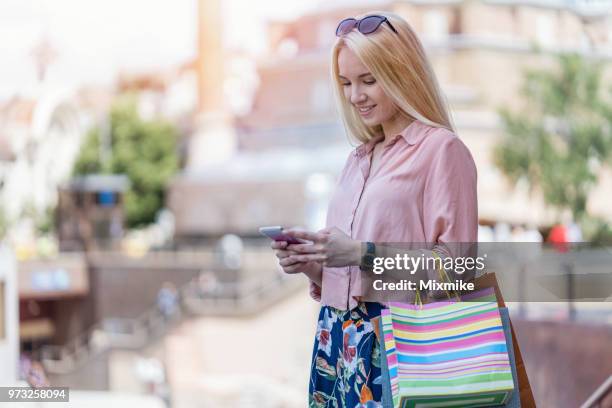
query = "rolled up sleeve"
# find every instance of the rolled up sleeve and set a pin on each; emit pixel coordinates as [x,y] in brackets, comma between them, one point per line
[450,207]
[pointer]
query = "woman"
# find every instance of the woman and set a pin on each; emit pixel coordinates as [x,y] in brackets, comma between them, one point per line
[410,181]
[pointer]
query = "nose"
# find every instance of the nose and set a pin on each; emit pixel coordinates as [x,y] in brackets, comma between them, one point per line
[357,96]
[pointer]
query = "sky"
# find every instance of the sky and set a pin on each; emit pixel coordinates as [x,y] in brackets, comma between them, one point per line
[93,40]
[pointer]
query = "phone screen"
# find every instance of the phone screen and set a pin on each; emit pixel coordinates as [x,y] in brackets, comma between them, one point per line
[276,233]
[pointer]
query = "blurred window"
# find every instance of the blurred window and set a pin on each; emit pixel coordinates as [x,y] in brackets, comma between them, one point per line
[435,25]
[545,30]
[106,198]
[456,25]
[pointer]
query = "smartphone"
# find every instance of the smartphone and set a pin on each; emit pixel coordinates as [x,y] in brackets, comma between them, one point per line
[276,233]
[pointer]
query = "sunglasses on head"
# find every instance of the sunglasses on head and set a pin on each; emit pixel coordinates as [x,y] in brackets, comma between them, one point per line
[366,25]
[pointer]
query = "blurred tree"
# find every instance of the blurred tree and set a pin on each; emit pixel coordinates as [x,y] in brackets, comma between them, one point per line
[144,150]
[560,140]
[44,221]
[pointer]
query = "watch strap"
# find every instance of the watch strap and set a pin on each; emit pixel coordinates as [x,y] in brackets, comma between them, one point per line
[367,259]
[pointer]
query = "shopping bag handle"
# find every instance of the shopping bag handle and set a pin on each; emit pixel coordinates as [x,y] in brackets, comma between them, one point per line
[442,274]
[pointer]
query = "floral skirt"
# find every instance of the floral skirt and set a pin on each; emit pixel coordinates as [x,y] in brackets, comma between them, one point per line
[345,368]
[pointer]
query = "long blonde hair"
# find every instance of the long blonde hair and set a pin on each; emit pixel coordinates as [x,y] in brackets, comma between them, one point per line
[399,64]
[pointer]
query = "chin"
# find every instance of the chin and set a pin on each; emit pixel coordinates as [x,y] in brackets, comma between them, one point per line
[371,121]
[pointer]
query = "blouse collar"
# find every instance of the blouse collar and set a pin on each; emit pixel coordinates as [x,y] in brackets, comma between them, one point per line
[413,133]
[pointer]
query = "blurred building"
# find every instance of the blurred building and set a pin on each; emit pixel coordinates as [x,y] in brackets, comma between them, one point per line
[479,50]
[169,93]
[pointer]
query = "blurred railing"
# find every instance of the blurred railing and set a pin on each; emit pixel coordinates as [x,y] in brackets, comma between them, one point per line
[224,299]
[603,392]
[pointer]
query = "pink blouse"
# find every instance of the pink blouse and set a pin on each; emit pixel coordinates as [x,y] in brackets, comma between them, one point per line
[423,191]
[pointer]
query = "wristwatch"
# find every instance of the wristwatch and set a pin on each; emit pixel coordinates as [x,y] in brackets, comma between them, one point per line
[367,259]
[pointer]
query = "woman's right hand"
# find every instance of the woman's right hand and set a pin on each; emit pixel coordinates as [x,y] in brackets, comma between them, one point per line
[289,265]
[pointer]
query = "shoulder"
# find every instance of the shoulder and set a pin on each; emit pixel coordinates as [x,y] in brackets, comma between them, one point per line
[445,144]
[447,153]
[440,137]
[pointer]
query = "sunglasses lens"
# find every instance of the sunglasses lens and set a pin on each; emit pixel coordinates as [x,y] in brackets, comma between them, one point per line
[370,24]
[345,26]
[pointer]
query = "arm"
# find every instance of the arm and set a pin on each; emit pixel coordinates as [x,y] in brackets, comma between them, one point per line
[450,215]
[450,218]
[450,207]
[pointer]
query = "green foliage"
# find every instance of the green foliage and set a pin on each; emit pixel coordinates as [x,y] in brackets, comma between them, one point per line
[562,137]
[44,221]
[598,229]
[145,151]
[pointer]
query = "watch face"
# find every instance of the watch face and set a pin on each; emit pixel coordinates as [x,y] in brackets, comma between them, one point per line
[370,248]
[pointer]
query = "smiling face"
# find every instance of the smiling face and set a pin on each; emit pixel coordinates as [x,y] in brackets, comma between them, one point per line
[363,92]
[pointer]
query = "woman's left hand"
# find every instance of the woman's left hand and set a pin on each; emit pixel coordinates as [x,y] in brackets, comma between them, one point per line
[330,246]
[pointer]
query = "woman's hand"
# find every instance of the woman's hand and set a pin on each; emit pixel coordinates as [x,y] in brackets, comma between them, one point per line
[330,246]
[291,265]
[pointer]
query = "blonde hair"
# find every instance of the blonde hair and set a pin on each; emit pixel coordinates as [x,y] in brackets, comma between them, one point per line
[399,64]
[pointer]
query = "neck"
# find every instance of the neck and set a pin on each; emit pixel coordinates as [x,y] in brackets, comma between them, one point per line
[395,126]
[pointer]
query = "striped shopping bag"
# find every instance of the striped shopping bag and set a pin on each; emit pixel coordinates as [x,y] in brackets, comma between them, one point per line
[447,354]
